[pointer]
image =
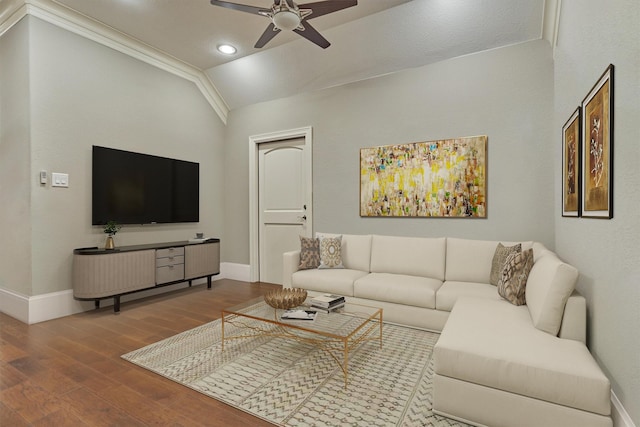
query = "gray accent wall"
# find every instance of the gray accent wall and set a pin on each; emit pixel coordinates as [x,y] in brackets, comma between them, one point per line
[77,93]
[606,252]
[506,94]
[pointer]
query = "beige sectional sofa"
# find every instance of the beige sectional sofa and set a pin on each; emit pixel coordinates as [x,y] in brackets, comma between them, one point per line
[496,364]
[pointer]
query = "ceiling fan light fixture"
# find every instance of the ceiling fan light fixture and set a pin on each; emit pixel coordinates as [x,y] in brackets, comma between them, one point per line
[227,49]
[286,20]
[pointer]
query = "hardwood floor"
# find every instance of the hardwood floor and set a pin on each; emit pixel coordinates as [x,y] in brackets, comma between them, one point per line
[68,371]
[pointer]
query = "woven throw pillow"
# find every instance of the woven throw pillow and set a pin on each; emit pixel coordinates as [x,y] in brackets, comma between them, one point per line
[513,282]
[309,253]
[331,252]
[499,257]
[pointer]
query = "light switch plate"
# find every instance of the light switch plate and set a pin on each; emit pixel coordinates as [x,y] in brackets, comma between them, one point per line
[59,179]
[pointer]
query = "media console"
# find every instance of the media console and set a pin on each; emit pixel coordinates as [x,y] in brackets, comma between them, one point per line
[110,273]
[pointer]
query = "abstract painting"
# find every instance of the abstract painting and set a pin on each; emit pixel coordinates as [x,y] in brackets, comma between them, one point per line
[571,165]
[597,149]
[444,178]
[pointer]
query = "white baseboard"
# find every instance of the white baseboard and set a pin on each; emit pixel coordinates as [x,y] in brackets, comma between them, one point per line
[230,270]
[620,416]
[40,308]
[15,305]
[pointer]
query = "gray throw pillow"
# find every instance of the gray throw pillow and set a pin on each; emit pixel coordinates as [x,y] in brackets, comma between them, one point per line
[513,282]
[309,253]
[499,257]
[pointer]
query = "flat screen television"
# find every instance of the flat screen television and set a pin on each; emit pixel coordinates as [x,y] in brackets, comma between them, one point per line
[135,188]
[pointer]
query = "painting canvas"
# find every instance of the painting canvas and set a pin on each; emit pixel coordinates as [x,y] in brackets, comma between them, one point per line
[571,166]
[445,178]
[597,149]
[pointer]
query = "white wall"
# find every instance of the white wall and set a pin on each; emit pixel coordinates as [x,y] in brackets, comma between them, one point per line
[15,170]
[83,94]
[505,93]
[592,35]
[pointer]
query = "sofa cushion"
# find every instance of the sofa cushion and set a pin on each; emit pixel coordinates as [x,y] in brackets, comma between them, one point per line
[356,250]
[413,256]
[499,258]
[470,260]
[398,288]
[335,281]
[513,281]
[451,290]
[331,252]
[550,284]
[492,343]
[309,253]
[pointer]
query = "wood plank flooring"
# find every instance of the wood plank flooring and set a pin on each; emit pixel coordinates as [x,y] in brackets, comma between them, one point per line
[68,371]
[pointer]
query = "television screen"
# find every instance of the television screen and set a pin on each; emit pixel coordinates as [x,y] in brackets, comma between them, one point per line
[134,188]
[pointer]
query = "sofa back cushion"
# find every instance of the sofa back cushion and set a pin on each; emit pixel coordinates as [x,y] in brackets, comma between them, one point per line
[549,286]
[356,250]
[412,256]
[470,260]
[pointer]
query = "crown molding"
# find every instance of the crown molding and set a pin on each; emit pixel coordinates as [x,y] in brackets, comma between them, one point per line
[551,22]
[12,11]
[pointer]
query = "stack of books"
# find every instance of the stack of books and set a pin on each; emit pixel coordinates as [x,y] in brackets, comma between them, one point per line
[298,315]
[327,302]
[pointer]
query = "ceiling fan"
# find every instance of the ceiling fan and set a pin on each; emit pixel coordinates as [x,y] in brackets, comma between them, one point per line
[287,15]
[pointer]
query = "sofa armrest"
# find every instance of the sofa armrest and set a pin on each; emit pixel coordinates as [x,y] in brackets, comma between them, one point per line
[574,319]
[290,263]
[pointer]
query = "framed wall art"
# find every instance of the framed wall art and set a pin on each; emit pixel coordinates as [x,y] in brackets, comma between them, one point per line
[597,149]
[445,178]
[571,143]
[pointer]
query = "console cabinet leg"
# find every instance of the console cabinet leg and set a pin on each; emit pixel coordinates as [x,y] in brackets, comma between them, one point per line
[116,304]
[208,282]
[96,303]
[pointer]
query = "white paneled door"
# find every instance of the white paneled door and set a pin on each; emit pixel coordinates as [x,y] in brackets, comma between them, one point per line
[284,202]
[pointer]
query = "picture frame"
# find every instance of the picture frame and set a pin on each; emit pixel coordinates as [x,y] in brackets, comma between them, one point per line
[437,179]
[597,149]
[571,165]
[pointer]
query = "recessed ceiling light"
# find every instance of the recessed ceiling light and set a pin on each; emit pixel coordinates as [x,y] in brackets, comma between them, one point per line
[227,49]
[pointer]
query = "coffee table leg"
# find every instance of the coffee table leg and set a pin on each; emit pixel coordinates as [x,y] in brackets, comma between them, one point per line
[380,321]
[222,342]
[345,368]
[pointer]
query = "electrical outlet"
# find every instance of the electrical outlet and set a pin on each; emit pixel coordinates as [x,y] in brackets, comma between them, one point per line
[59,179]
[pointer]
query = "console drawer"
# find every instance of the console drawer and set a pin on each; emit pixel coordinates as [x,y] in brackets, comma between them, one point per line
[172,260]
[169,273]
[169,252]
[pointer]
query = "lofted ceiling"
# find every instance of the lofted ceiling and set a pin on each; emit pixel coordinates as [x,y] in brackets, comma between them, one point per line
[375,37]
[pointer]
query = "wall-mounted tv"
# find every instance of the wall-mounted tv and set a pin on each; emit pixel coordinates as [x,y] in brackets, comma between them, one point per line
[135,188]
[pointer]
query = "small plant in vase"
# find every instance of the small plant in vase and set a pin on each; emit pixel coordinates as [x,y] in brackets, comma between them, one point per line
[111,228]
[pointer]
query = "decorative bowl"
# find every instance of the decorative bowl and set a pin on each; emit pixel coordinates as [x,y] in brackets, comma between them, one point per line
[285,298]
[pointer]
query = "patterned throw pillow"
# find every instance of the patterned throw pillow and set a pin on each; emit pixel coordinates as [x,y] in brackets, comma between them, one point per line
[309,253]
[513,282]
[499,257]
[331,252]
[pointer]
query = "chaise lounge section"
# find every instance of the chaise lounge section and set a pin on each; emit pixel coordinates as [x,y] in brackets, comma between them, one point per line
[496,364]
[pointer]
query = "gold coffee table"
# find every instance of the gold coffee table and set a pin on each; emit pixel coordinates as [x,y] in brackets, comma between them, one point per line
[337,333]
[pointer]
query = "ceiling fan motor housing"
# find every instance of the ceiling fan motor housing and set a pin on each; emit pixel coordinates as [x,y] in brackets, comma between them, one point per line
[286,20]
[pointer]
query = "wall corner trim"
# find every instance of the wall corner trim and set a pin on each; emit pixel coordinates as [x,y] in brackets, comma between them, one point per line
[12,11]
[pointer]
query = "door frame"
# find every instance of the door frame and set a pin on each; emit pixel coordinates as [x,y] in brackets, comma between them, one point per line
[254,214]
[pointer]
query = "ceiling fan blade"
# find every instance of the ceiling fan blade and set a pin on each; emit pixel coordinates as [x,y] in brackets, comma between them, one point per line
[324,7]
[241,7]
[313,35]
[268,34]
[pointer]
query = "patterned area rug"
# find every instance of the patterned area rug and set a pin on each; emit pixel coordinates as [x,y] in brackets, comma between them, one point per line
[294,384]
